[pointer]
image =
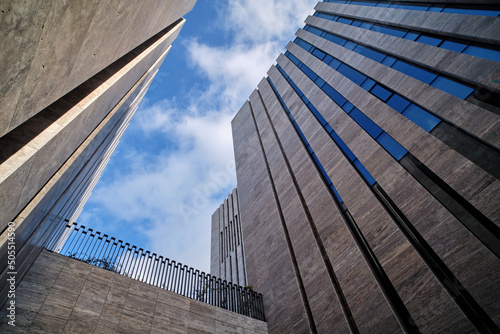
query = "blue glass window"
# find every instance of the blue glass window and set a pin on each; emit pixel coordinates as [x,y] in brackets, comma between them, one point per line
[373,129]
[452,87]
[411,36]
[305,99]
[335,39]
[421,117]
[482,52]
[348,106]
[343,146]
[336,193]
[453,46]
[301,134]
[368,84]
[328,128]
[313,30]
[316,113]
[429,40]
[413,71]
[303,44]
[410,7]
[350,45]
[435,8]
[366,25]
[471,11]
[313,76]
[352,74]
[371,4]
[294,86]
[367,176]
[294,59]
[380,92]
[334,63]
[356,23]
[320,82]
[320,166]
[388,60]
[372,54]
[318,53]
[345,21]
[389,31]
[328,59]
[392,146]
[398,103]
[324,16]
[334,95]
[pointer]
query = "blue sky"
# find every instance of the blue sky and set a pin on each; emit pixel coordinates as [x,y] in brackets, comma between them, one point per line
[175,164]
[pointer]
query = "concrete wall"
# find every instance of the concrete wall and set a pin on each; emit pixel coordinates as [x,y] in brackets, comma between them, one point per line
[72,77]
[63,295]
[227,259]
[48,184]
[51,47]
[328,267]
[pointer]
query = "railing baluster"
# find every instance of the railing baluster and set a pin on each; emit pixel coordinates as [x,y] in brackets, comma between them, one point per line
[168,274]
[154,270]
[126,263]
[97,238]
[120,250]
[113,255]
[102,246]
[74,239]
[176,275]
[87,237]
[91,246]
[133,263]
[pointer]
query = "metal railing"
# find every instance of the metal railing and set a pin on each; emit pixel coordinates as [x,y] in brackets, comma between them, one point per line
[87,245]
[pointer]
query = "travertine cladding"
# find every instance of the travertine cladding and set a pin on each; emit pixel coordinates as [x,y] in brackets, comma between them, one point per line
[267,255]
[334,236]
[62,195]
[300,251]
[465,115]
[63,295]
[51,47]
[227,259]
[435,225]
[476,71]
[481,189]
[480,28]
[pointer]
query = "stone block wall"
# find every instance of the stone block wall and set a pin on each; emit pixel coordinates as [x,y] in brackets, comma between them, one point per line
[63,295]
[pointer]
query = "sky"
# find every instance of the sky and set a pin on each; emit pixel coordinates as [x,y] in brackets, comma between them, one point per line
[175,163]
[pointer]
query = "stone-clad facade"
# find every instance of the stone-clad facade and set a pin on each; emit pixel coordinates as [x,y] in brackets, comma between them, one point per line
[72,75]
[64,295]
[368,171]
[227,258]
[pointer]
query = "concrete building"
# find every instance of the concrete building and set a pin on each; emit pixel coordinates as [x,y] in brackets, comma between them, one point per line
[71,77]
[227,258]
[368,171]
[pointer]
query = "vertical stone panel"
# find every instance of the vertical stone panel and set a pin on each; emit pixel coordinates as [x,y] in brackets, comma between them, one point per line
[271,271]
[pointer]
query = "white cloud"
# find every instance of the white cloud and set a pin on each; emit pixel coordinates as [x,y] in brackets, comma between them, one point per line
[266,20]
[233,71]
[174,190]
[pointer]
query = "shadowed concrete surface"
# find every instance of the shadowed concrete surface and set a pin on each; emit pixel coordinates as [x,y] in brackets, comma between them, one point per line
[71,77]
